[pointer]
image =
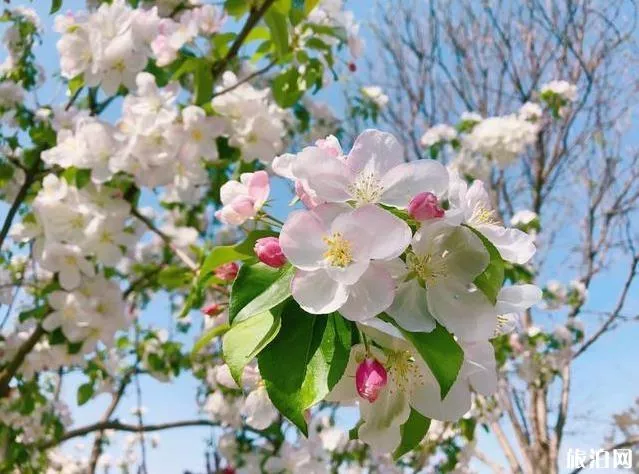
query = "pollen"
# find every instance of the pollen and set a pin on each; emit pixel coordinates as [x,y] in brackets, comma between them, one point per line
[366,189]
[481,215]
[427,267]
[402,367]
[339,250]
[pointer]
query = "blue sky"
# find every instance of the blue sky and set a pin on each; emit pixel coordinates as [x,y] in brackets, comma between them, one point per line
[605,380]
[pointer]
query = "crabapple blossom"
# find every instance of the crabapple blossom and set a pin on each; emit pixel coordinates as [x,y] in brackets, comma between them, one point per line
[337,252]
[437,134]
[373,172]
[243,199]
[564,89]
[227,272]
[376,95]
[472,205]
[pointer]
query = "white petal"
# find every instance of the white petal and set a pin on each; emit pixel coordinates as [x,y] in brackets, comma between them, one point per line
[466,254]
[383,418]
[372,294]
[514,245]
[425,396]
[429,236]
[375,152]
[258,410]
[464,312]
[345,390]
[410,308]
[518,298]
[480,366]
[69,277]
[318,293]
[405,181]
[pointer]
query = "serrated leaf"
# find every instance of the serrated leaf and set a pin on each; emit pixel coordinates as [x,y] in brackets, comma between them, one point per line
[304,361]
[413,432]
[85,392]
[439,350]
[278,26]
[246,339]
[208,336]
[491,279]
[258,288]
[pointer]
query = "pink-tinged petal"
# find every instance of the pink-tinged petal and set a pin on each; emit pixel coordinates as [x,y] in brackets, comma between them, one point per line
[514,245]
[349,274]
[375,152]
[464,312]
[371,295]
[406,180]
[231,190]
[317,293]
[328,177]
[386,235]
[258,186]
[383,419]
[410,308]
[283,165]
[244,206]
[301,238]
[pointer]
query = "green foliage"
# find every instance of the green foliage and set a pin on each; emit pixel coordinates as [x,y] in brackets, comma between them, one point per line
[491,279]
[278,26]
[246,339]
[439,350]
[208,336]
[304,361]
[55,6]
[258,288]
[232,253]
[413,432]
[85,392]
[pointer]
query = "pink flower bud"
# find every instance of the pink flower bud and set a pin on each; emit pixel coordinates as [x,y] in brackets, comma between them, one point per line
[370,378]
[268,250]
[212,309]
[424,206]
[227,272]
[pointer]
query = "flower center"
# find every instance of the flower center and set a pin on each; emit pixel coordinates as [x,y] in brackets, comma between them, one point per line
[402,368]
[426,267]
[366,189]
[481,215]
[339,250]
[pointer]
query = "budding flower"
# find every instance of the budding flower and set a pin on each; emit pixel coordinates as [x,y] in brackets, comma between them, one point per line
[227,272]
[370,378]
[424,206]
[268,250]
[212,309]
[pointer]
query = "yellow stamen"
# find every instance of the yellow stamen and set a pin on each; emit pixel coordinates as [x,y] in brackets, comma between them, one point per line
[339,250]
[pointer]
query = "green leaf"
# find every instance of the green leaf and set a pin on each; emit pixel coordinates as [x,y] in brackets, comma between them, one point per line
[413,432]
[55,6]
[258,288]
[203,84]
[305,361]
[85,392]
[278,26]
[208,336]
[174,277]
[282,6]
[258,33]
[309,5]
[439,350]
[230,253]
[236,8]
[75,84]
[188,66]
[286,90]
[246,339]
[492,278]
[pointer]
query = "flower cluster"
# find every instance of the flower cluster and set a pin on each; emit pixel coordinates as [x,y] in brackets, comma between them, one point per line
[400,248]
